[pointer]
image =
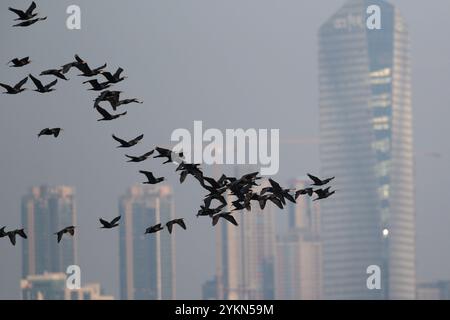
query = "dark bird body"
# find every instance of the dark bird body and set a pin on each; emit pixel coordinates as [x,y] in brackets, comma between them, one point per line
[54,72]
[225,215]
[17,63]
[69,230]
[41,88]
[323,193]
[16,89]
[113,78]
[318,182]
[179,222]
[129,143]
[50,132]
[140,158]
[28,23]
[108,116]
[96,86]
[25,15]
[154,229]
[151,178]
[110,224]
[12,235]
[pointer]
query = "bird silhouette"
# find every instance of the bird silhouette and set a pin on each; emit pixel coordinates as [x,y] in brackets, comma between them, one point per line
[154,229]
[225,215]
[170,224]
[54,72]
[78,61]
[50,132]
[140,158]
[25,15]
[109,225]
[68,230]
[323,193]
[113,78]
[12,235]
[318,182]
[86,70]
[43,89]
[96,86]
[16,89]
[129,143]
[108,116]
[308,191]
[151,178]
[28,23]
[17,63]
[2,232]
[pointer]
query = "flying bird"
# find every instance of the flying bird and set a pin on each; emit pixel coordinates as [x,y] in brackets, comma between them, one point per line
[113,78]
[130,143]
[318,182]
[28,23]
[12,235]
[17,63]
[78,61]
[166,153]
[86,70]
[96,86]
[154,229]
[16,89]
[140,158]
[179,222]
[108,116]
[323,193]
[41,88]
[151,178]
[25,15]
[69,230]
[110,96]
[109,225]
[54,72]
[225,215]
[50,132]
[308,191]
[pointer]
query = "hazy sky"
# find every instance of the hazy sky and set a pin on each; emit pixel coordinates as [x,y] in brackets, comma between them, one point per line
[232,64]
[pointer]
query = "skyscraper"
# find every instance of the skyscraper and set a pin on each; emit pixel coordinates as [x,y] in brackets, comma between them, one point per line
[147,262]
[298,270]
[245,255]
[367,143]
[46,210]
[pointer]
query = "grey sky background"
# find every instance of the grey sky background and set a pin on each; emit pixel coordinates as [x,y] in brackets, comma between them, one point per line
[231,64]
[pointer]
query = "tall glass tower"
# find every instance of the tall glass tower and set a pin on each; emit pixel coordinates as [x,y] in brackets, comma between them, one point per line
[147,262]
[367,143]
[46,210]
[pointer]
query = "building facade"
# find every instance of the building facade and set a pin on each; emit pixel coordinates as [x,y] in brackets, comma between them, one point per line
[147,262]
[46,210]
[367,143]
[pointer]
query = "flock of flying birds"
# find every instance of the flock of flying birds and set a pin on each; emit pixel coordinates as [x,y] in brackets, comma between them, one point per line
[243,189]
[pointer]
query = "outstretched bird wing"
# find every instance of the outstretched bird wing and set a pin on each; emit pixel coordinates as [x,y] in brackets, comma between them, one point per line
[103,112]
[181,223]
[20,13]
[100,68]
[59,234]
[104,222]
[148,174]
[169,226]
[230,218]
[21,83]
[22,233]
[118,72]
[148,154]
[314,179]
[7,87]
[137,139]
[115,220]
[37,83]
[31,9]
[12,238]
[122,142]
[51,84]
